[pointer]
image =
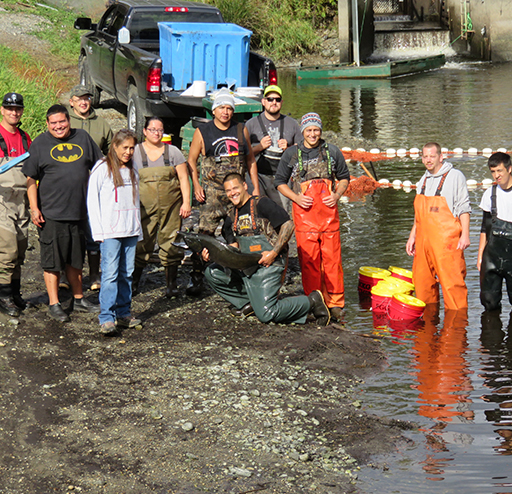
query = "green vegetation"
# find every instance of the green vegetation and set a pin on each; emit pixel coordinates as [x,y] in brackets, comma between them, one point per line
[282,28]
[39,87]
[58,31]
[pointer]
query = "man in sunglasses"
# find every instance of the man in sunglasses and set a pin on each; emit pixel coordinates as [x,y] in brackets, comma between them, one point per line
[271,133]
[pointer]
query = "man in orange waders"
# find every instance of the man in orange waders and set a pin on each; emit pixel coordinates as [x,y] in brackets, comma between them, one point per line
[441,232]
[319,177]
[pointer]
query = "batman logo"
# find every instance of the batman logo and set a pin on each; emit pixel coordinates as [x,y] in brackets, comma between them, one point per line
[66,152]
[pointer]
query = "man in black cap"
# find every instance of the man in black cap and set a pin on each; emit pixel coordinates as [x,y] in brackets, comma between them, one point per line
[14,215]
[83,116]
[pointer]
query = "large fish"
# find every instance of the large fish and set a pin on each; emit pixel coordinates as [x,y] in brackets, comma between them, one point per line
[221,253]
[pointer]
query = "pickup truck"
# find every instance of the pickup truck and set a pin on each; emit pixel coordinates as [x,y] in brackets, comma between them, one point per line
[121,55]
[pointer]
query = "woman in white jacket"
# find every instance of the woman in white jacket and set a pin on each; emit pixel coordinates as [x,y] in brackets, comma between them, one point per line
[114,216]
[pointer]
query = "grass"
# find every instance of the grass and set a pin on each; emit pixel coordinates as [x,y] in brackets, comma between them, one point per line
[63,38]
[281,28]
[39,87]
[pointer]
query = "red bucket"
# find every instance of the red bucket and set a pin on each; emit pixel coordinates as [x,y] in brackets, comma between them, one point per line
[380,303]
[405,307]
[369,277]
[401,273]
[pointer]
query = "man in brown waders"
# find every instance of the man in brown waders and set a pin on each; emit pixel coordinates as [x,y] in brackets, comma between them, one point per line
[14,214]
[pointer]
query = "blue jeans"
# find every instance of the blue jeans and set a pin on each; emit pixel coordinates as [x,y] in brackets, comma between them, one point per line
[117,264]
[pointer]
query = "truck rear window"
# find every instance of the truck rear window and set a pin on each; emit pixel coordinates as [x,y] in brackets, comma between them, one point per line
[144,28]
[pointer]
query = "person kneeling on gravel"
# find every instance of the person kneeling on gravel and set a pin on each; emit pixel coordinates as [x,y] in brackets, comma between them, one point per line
[259,225]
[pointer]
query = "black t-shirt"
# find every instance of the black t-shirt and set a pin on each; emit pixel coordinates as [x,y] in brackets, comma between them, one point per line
[266,208]
[62,168]
[222,143]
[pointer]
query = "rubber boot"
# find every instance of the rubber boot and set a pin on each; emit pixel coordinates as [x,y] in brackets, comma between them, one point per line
[93,257]
[7,305]
[195,287]
[171,275]
[16,294]
[137,273]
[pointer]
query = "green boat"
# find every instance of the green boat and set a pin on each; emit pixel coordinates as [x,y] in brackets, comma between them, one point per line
[385,70]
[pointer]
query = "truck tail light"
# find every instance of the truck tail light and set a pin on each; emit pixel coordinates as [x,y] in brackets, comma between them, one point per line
[176,9]
[154,80]
[272,77]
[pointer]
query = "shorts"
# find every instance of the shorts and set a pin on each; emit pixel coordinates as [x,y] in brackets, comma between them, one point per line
[62,243]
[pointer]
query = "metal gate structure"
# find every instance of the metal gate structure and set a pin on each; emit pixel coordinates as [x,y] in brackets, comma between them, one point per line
[387,7]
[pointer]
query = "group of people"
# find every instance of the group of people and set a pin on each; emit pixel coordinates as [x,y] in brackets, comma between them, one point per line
[88,190]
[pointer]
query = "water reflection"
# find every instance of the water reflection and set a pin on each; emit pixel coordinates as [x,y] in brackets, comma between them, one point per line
[451,106]
[443,373]
[497,374]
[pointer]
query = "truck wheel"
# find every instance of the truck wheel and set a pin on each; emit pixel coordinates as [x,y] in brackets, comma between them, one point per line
[85,80]
[135,115]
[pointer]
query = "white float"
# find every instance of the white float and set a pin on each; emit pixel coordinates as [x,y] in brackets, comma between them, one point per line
[502,150]
[415,151]
[401,152]
[472,151]
[390,152]
[407,183]
[346,149]
[361,150]
[444,150]
[397,182]
[487,152]
[375,151]
[471,183]
[384,181]
[458,151]
[486,182]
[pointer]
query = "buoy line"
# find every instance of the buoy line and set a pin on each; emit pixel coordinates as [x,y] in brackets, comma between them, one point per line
[375,154]
[362,156]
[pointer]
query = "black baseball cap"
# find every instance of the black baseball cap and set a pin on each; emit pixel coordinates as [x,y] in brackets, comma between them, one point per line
[13,99]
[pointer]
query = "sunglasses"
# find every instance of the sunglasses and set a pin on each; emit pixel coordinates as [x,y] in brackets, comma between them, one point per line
[277,100]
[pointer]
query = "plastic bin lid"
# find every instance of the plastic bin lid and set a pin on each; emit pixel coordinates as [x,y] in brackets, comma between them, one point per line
[409,300]
[400,271]
[372,272]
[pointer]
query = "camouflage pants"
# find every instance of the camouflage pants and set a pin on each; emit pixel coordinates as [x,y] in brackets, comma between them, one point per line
[214,209]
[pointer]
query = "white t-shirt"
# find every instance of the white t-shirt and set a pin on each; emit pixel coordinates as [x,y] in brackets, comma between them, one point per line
[503,203]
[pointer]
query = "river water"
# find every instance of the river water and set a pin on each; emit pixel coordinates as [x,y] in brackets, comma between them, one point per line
[453,376]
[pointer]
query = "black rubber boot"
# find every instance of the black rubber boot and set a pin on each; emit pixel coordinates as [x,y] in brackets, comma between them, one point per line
[195,287]
[16,294]
[319,308]
[93,258]
[7,305]
[137,273]
[171,275]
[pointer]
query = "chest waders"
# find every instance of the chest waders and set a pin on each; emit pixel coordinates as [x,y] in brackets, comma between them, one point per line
[437,259]
[496,260]
[216,205]
[14,222]
[261,289]
[160,203]
[317,231]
